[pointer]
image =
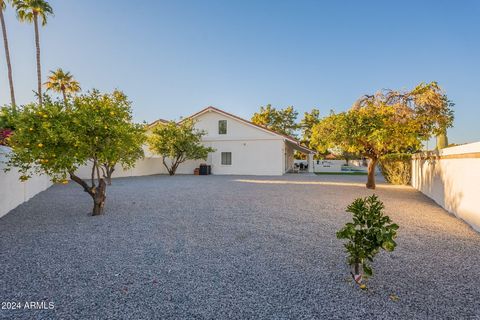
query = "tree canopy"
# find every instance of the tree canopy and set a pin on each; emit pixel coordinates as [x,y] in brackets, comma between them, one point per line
[54,140]
[28,10]
[310,119]
[177,143]
[279,120]
[387,122]
[122,139]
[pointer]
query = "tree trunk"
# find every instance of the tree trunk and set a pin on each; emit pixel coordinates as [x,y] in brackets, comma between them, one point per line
[442,140]
[357,276]
[99,198]
[171,170]
[98,193]
[7,56]
[39,70]
[108,179]
[64,97]
[109,175]
[371,173]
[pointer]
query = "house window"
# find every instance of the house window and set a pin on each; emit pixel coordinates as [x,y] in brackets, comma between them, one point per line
[226,158]
[222,127]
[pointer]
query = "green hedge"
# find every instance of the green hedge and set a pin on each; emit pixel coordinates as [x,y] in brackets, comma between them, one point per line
[397,168]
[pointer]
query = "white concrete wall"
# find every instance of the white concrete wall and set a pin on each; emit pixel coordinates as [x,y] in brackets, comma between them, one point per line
[328,165]
[336,165]
[452,180]
[13,192]
[143,167]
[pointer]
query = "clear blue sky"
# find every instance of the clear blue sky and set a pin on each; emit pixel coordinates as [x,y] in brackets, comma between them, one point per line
[173,58]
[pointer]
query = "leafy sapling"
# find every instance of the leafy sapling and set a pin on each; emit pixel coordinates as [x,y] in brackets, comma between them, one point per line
[369,232]
[177,143]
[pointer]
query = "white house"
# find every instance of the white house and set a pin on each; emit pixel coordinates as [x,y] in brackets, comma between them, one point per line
[242,147]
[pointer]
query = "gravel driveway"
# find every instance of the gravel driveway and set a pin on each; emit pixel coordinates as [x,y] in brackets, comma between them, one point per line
[231,247]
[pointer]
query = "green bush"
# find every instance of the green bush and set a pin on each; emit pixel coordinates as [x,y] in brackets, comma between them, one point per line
[4,118]
[397,168]
[369,232]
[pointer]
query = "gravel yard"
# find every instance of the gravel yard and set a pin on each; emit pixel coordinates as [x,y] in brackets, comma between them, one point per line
[231,247]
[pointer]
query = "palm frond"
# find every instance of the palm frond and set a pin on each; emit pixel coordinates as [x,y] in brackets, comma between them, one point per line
[27,10]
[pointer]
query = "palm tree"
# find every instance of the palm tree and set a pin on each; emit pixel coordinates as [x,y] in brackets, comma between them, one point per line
[7,53]
[62,82]
[30,11]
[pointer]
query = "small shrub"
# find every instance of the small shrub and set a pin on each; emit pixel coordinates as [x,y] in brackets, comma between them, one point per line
[397,168]
[369,232]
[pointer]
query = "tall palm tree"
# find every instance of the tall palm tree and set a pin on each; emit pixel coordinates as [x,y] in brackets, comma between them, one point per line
[30,11]
[62,82]
[7,53]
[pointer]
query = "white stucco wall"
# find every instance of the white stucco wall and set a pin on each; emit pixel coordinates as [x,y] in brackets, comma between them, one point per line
[328,165]
[236,129]
[254,151]
[143,167]
[13,192]
[452,181]
[249,157]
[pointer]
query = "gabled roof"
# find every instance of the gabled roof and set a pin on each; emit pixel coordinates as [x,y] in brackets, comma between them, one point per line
[154,123]
[286,137]
[210,108]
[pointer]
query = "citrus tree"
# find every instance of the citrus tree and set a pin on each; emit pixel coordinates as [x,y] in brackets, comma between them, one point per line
[53,140]
[124,138]
[369,231]
[384,123]
[178,142]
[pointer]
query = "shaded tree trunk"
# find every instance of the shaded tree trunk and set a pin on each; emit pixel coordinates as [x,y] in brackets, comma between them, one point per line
[98,193]
[108,178]
[108,174]
[173,168]
[371,173]
[7,56]
[39,69]
[99,198]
